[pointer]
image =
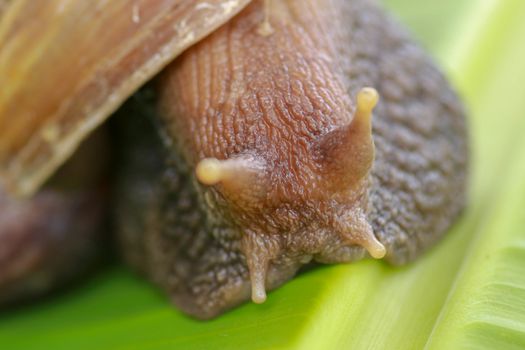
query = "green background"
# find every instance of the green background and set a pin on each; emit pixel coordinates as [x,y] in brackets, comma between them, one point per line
[468,292]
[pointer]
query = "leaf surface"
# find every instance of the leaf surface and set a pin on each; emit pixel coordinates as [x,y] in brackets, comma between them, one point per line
[467,292]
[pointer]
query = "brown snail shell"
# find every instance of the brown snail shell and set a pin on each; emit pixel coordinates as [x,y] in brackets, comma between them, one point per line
[48,104]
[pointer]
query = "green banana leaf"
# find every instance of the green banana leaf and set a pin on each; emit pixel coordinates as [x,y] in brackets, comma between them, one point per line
[468,292]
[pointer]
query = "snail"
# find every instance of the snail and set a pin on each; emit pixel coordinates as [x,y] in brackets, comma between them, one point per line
[277,133]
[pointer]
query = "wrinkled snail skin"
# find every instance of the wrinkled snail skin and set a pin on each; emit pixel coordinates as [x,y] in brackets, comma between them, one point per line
[268,156]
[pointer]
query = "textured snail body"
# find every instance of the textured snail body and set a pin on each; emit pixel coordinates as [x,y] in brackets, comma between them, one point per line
[298,131]
[268,135]
[65,67]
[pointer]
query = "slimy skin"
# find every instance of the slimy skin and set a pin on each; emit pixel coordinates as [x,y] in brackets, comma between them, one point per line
[265,152]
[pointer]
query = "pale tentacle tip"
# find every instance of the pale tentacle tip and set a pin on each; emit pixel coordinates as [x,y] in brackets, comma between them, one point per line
[209,171]
[265,29]
[258,279]
[367,99]
[257,260]
[258,292]
[361,233]
[376,249]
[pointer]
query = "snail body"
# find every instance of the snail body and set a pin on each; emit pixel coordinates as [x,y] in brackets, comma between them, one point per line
[272,142]
[298,131]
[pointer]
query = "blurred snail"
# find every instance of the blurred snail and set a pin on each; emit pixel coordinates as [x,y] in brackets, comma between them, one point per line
[271,134]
